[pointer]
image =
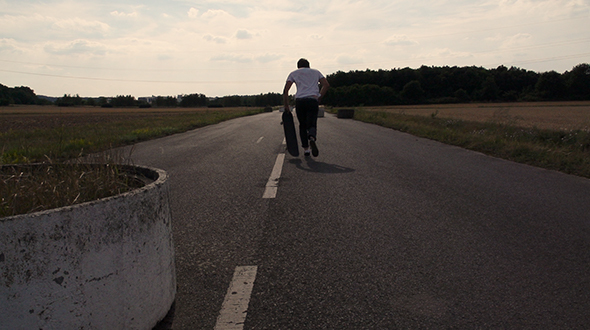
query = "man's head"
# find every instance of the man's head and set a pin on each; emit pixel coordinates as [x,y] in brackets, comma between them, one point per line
[302,63]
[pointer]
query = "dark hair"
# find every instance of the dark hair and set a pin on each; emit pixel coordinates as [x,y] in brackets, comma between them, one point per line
[303,63]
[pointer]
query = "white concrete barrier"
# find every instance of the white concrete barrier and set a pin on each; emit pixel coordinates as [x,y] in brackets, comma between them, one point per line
[106,264]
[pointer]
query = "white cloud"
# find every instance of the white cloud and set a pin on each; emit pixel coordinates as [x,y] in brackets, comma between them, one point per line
[216,13]
[207,39]
[216,39]
[9,46]
[264,58]
[122,14]
[542,9]
[193,13]
[243,34]
[267,58]
[83,47]
[440,55]
[76,24]
[400,40]
[517,40]
[165,57]
[348,59]
[232,58]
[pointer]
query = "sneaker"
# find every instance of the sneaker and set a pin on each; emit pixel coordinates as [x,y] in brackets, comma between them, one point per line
[307,153]
[314,148]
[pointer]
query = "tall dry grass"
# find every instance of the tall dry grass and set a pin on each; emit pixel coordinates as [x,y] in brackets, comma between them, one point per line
[572,115]
[27,188]
[565,150]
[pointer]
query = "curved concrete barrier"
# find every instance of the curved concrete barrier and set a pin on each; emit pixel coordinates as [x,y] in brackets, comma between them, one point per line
[106,264]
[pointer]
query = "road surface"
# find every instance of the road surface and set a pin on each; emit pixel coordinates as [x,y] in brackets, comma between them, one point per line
[383,230]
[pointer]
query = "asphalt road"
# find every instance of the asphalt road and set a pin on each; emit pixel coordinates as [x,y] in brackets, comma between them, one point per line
[382,231]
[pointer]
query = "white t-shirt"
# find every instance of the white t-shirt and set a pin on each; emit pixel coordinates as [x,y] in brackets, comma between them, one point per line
[306,80]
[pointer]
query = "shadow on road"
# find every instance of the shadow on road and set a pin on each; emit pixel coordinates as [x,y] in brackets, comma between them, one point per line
[320,167]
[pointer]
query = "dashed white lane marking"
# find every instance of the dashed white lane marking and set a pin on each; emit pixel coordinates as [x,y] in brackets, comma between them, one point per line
[273,181]
[260,139]
[235,305]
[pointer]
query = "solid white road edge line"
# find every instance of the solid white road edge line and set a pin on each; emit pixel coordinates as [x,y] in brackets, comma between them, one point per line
[235,305]
[273,182]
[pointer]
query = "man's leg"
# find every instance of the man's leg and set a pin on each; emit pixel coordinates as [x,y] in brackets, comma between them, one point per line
[312,119]
[300,109]
[312,122]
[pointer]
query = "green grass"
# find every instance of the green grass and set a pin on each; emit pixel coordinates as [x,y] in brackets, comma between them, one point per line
[64,143]
[565,151]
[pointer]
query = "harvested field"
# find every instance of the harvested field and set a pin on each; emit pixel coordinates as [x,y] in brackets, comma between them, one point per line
[24,118]
[37,133]
[544,115]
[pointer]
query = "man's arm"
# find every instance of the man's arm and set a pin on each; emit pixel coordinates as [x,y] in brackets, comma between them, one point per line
[324,88]
[288,85]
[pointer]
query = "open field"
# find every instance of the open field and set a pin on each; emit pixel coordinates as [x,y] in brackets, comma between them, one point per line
[36,133]
[32,117]
[554,136]
[30,134]
[543,115]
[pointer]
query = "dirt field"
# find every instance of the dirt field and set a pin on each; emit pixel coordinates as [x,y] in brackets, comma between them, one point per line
[545,115]
[36,117]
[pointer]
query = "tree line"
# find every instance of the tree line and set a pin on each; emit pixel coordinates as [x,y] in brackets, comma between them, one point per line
[19,95]
[25,95]
[425,85]
[186,101]
[455,85]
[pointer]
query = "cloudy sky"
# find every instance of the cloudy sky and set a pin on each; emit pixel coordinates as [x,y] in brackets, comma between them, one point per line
[244,47]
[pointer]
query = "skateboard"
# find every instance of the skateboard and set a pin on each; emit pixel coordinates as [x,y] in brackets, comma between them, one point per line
[290,135]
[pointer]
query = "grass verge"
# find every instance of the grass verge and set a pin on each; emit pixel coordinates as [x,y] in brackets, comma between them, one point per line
[560,150]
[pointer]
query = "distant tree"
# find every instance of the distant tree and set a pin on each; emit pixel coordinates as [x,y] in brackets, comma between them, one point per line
[551,86]
[102,101]
[461,95]
[513,82]
[578,82]
[433,82]
[489,90]
[69,101]
[269,99]
[168,101]
[413,92]
[5,98]
[23,95]
[193,100]
[124,101]
[231,101]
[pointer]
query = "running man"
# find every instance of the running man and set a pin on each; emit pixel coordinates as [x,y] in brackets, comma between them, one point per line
[307,100]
